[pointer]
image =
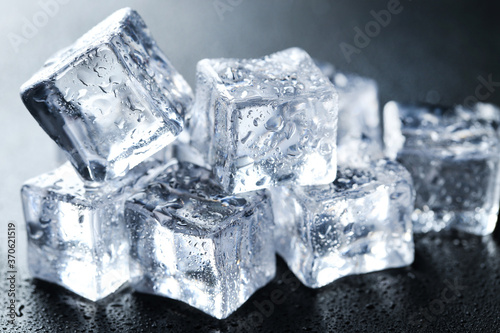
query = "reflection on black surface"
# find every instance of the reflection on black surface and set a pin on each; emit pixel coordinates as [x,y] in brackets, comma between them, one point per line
[453,275]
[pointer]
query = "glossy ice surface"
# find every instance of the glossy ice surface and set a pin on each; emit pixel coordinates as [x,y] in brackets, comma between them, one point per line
[265,122]
[110,100]
[453,156]
[76,234]
[192,242]
[360,223]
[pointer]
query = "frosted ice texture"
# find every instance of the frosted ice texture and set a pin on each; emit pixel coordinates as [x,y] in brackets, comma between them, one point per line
[359,223]
[453,156]
[110,100]
[76,234]
[265,122]
[192,242]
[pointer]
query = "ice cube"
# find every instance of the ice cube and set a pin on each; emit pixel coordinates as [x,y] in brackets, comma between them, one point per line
[265,122]
[192,242]
[182,151]
[360,223]
[453,156]
[110,100]
[76,235]
[359,133]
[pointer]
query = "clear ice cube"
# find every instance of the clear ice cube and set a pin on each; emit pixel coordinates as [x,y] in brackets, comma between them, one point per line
[192,242]
[359,132]
[77,235]
[453,156]
[360,223]
[265,122]
[110,100]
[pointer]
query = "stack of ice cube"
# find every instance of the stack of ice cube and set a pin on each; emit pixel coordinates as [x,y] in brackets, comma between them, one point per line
[277,154]
[110,101]
[271,123]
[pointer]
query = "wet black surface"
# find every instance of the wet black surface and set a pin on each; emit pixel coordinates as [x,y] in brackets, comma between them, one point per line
[453,286]
[432,51]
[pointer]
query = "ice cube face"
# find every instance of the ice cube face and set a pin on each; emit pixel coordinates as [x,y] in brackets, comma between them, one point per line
[76,235]
[359,133]
[192,242]
[265,122]
[182,151]
[360,223]
[453,156]
[110,100]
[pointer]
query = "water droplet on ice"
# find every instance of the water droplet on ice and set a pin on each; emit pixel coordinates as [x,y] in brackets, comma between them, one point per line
[274,123]
[247,136]
[293,150]
[243,161]
[34,230]
[290,130]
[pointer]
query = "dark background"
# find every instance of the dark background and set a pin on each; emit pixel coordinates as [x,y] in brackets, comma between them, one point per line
[433,51]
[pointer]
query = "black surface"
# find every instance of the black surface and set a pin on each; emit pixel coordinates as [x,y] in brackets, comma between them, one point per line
[413,299]
[433,51]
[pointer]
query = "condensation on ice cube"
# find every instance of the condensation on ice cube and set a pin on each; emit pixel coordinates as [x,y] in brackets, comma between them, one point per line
[110,100]
[193,242]
[453,156]
[360,223]
[265,122]
[76,235]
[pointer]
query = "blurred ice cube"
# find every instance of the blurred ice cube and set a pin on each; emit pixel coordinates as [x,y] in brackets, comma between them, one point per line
[453,156]
[359,132]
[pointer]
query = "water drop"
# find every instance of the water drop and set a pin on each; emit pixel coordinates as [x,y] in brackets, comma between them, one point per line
[243,161]
[261,181]
[290,130]
[34,230]
[293,150]
[44,220]
[274,123]
[246,137]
